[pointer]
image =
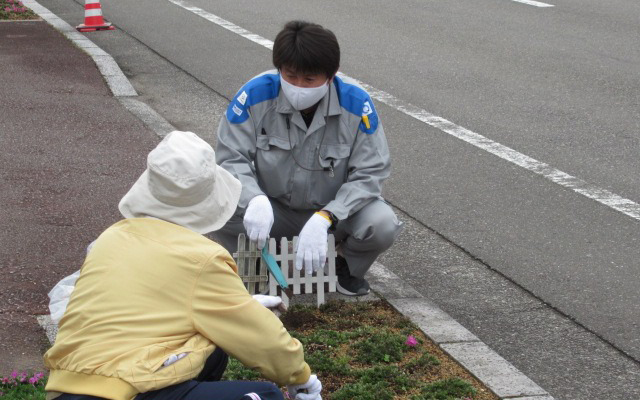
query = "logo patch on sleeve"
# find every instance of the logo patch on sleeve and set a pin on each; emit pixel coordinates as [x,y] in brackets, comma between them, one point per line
[237,110]
[242,98]
[366,110]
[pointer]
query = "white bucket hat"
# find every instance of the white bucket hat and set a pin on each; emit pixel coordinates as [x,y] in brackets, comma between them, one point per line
[183,185]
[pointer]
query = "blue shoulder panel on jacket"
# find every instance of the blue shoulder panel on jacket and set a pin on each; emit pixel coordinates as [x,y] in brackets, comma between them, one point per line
[358,102]
[259,89]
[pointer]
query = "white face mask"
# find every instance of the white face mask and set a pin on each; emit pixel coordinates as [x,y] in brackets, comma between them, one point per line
[303,98]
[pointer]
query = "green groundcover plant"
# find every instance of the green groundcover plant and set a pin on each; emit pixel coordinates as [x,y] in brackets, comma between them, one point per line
[23,386]
[15,10]
[367,351]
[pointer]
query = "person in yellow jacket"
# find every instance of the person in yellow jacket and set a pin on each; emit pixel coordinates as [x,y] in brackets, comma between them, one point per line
[158,306]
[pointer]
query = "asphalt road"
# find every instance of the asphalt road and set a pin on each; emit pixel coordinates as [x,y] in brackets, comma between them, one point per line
[558,84]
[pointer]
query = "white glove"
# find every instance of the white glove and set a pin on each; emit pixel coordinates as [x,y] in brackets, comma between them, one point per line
[258,219]
[312,244]
[273,303]
[268,301]
[312,388]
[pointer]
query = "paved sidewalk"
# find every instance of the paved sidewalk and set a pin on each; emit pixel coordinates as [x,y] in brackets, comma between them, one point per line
[70,150]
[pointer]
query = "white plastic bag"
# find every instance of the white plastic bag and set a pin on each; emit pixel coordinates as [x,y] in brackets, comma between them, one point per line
[60,294]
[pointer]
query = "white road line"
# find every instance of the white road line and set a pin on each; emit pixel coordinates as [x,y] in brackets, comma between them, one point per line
[534,3]
[224,23]
[600,195]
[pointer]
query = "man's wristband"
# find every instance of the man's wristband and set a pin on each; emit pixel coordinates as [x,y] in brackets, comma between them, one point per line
[328,216]
[325,216]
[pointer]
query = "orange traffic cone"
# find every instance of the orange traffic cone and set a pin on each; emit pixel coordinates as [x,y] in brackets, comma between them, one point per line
[93,20]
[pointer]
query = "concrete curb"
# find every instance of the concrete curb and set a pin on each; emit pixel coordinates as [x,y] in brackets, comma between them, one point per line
[148,116]
[487,366]
[50,328]
[117,82]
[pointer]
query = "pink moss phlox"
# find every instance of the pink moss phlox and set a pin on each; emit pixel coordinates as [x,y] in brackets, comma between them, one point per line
[411,341]
[17,378]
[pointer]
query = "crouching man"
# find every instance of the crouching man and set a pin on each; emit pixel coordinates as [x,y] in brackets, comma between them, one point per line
[312,155]
[158,306]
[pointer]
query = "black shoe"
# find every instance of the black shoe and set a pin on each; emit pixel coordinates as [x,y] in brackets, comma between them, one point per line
[347,284]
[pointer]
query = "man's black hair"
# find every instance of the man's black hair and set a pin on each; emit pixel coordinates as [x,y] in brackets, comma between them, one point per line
[306,48]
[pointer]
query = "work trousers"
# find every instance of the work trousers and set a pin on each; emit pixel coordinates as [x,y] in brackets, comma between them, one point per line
[360,238]
[206,386]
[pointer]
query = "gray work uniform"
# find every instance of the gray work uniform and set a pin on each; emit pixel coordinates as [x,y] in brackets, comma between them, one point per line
[338,164]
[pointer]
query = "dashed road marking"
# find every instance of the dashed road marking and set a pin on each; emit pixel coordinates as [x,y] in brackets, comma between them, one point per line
[534,3]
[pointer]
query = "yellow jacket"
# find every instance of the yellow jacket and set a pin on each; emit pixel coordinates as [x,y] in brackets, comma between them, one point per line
[149,289]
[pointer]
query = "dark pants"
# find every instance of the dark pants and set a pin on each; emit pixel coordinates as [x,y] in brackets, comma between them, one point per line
[206,386]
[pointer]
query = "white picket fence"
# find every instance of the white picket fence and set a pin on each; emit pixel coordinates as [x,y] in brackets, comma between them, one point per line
[251,267]
[255,275]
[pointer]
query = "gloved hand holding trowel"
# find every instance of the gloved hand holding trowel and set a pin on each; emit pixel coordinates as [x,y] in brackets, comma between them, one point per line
[273,303]
[307,391]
